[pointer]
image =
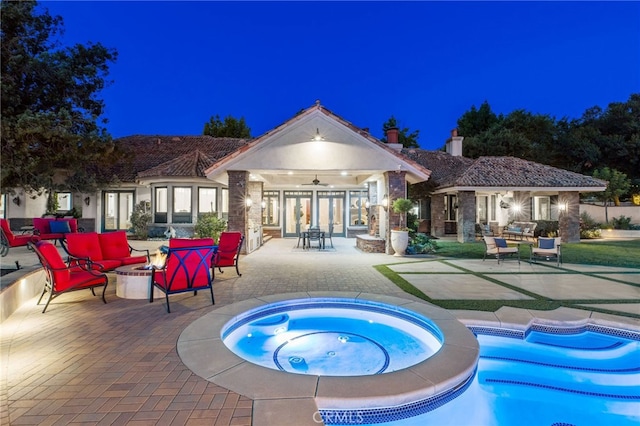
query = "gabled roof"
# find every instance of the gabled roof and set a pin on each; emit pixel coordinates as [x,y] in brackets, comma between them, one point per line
[500,172]
[144,155]
[343,146]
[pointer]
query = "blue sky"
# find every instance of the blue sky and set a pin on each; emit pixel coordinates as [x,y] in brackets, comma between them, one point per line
[426,63]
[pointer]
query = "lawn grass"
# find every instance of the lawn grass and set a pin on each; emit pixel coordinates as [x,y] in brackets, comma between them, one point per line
[621,253]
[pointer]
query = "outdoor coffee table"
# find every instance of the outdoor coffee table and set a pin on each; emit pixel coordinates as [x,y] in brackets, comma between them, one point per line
[134,281]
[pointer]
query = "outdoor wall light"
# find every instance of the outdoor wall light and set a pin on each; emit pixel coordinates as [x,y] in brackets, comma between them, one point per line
[16,200]
[263,204]
[385,201]
[248,201]
[87,200]
[367,204]
[562,207]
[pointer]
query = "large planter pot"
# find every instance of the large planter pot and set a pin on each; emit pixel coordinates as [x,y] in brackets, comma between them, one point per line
[399,242]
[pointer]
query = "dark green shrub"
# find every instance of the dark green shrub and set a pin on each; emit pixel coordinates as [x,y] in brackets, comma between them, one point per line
[622,222]
[420,243]
[546,228]
[589,228]
[140,218]
[210,225]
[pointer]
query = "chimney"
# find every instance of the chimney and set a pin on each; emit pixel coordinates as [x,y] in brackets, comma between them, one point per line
[392,135]
[454,144]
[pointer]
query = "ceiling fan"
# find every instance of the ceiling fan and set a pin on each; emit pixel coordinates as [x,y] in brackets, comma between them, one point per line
[316,182]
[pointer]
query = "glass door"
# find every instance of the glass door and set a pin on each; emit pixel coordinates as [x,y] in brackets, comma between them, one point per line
[118,207]
[297,212]
[331,210]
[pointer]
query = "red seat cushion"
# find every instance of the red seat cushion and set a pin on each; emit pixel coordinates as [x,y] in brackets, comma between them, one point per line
[114,245]
[183,266]
[85,244]
[53,260]
[227,248]
[79,279]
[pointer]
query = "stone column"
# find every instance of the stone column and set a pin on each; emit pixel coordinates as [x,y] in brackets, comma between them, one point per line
[569,219]
[396,188]
[437,215]
[238,191]
[466,216]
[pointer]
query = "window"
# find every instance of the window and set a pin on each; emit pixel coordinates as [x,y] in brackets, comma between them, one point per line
[161,206]
[482,202]
[207,200]
[358,212]
[270,208]
[181,205]
[494,201]
[224,204]
[64,201]
[542,208]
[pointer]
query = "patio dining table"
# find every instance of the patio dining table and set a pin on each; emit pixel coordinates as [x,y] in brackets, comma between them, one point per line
[306,242]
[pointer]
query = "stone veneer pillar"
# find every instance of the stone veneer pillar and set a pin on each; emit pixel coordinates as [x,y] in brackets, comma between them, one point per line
[569,220]
[397,188]
[238,191]
[437,215]
[466,216]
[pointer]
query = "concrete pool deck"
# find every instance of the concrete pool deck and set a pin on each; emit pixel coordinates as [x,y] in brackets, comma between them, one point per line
[91,363]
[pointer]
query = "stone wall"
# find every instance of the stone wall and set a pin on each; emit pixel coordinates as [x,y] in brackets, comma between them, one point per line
[569,220]
[369,244]
[466,216]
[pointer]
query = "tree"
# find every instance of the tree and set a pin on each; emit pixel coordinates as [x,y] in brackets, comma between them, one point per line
[618,184]
[51,137]
[407,138]
[230,128]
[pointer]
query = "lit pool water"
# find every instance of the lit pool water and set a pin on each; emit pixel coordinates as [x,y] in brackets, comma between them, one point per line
[552,379]
[333,337]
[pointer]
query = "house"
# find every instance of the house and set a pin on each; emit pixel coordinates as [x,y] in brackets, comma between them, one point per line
[316,169]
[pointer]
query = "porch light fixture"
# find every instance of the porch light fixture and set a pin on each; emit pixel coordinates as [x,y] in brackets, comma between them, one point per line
[263,204]
[318,136]
[87,201]
[16,200]
[367,204]
[248,201]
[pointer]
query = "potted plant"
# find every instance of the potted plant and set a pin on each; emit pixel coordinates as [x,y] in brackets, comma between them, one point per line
[400,236]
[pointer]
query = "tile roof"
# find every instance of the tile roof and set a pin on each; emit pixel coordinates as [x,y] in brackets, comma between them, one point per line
[153,155]
[449,171]
[189,165]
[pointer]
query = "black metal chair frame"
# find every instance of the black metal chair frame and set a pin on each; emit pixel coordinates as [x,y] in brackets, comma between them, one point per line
[236,257]
[204,254]
[49,283]
[315,234]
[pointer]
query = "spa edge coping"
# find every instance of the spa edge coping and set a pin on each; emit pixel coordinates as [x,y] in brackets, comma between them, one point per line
[202,350]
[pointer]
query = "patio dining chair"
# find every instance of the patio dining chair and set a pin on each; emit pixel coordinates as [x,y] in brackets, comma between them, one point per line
[330,234]
[186,268]
[61,278]
[315,234]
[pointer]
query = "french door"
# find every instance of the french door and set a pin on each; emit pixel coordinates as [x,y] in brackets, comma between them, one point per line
[331,210]
[297,212]
[117,209]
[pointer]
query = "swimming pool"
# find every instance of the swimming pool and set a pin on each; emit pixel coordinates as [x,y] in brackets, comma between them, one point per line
[546,376]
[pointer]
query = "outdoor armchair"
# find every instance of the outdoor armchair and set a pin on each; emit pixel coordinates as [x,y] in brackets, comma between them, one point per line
[8,239]
[228,251]
[498,247]
[60,278]
[548,249]
[187,268]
